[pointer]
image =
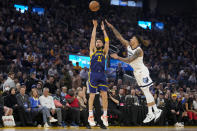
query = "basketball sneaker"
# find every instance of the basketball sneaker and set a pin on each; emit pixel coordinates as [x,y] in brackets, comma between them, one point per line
[91,121]
[149,118]
[105,120]
[157,114]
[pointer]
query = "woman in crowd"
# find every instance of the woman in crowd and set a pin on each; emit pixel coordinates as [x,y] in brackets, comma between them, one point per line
[11,102]
[36,107]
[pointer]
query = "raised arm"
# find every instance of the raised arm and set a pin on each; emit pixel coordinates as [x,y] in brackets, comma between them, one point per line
[106,48]
[117,34]
[137,54]
[93,37]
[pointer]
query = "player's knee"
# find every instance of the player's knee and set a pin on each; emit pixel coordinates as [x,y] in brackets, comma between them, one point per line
[92,95]
[104,94]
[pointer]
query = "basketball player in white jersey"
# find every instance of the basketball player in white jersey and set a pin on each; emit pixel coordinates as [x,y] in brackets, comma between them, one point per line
[141,72]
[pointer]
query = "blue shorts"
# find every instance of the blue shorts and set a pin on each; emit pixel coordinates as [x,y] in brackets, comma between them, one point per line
[97,82]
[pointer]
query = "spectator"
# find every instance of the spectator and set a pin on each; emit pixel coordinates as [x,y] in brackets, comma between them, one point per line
[192,78]
[74,107]
[23,101]
[76,81]
[133,98]
[51,85]
[77,67]
[161,101]
[39,88]
[48,102]
[175,111]
[18,87]
[36,107]
[119,84]
[9,83]
[84,75]
[113,106]
[66,80]
[30,82]
[121,98]
[11,102]
[119,72]
[64,91]
[192,114]
[83,109]
[53,71]
[60,102]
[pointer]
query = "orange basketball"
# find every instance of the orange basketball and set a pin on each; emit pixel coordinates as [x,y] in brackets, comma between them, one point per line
[94,6]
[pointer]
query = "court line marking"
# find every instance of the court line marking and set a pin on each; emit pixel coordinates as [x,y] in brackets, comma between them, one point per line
[111,127]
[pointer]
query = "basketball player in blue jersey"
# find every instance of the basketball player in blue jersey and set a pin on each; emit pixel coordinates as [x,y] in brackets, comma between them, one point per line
[97,79]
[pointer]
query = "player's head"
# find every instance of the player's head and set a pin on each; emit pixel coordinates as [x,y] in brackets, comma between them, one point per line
[99,44]
[134,41]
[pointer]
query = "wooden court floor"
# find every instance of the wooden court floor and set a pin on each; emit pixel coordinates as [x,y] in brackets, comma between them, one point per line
[142,128]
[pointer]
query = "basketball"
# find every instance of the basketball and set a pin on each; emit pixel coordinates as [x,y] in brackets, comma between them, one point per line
[94,6]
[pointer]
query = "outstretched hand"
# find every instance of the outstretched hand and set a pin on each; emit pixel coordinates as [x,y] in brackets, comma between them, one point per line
[114,55]
[108,24]
[95,23]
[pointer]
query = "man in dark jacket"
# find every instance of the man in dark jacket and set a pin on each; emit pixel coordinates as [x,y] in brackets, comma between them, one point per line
[176,111]
[31,81]
[113,106]
[119,72]
[23,101]
[51,85]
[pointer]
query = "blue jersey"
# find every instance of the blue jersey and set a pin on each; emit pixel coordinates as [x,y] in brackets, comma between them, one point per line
[97,61]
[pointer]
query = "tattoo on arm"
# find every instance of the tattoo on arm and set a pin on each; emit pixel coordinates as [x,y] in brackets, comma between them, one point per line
[131,58]
[119,36]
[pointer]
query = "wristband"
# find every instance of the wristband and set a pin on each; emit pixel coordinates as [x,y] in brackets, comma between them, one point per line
[106,39]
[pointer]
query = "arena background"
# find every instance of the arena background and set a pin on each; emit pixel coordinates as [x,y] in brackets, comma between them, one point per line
[41,41]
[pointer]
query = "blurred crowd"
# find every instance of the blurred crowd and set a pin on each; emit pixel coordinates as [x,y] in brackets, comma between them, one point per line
[35,71]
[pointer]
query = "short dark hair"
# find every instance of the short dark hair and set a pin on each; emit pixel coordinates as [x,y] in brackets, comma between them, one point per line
[10,73]
[140,40]
[24,86]
[99,38]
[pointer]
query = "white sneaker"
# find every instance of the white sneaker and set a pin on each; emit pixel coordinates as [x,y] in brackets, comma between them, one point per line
[176,124]
[91,121]
[105,120]
[180,124]
[157,114]
[46,125]
[53,120]
[149,118]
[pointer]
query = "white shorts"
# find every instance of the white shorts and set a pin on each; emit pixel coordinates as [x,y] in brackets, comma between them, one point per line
[143,78]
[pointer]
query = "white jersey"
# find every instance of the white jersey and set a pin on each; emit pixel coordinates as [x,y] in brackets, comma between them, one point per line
[141,72]
[138,63]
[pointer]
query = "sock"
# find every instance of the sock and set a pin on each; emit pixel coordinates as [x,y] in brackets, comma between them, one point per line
[90,113]
[105,113]
[150,111]
[155,107]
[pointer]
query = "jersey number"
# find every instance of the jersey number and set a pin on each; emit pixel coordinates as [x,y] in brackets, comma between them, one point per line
[99,59]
